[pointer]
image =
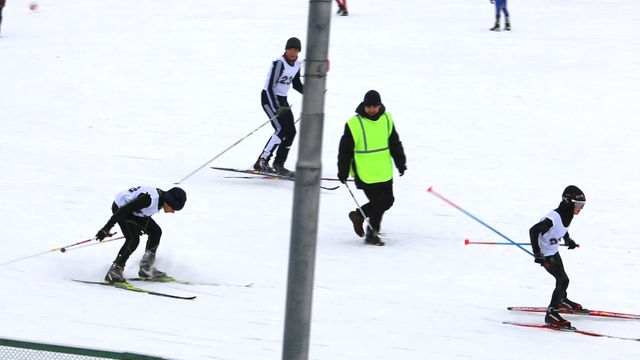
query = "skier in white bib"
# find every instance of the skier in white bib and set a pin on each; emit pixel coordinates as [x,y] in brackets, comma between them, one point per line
[132,211]
[545,237]
[284,72]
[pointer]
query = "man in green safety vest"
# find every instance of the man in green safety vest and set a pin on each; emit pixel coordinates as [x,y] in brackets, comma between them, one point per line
[366,150]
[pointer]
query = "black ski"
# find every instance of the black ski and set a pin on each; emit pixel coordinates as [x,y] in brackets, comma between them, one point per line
[129,287]
[266,175]
[176,281]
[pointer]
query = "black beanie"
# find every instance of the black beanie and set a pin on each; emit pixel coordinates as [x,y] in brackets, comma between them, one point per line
[293,43]
[372,98]
[175,197]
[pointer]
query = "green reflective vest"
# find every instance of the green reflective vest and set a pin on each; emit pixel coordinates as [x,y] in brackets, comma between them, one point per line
[372,158]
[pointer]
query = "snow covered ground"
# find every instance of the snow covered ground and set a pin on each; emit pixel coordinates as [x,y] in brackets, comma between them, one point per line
[96,97]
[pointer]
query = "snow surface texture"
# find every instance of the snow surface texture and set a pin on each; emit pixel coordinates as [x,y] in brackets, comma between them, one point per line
[97,97]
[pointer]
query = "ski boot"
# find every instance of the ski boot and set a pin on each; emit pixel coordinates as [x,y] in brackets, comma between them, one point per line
[147,270]
[496,27]
[572,307]
[114,275]
[553,318]
[262,165]
[279,169]
[507,26]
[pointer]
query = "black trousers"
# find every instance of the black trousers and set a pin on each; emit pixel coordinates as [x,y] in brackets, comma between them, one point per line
[132,227]
[555,267]
[285,131]
[380,198]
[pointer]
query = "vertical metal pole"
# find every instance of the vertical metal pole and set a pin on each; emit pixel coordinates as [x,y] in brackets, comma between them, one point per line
[306,200]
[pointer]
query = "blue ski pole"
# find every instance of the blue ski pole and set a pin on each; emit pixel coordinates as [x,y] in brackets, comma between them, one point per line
[434,193]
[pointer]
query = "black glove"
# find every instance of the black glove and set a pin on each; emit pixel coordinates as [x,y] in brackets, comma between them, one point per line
[103,233]
[282,110]
[343,178]
[402,169]
[539,259]
[570,243]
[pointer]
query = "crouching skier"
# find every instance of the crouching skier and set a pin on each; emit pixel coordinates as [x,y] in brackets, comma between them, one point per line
[132,211]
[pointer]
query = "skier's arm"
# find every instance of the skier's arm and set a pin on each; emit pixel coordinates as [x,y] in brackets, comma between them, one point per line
[137,204]
[537,230]
[297,83]
[274,77]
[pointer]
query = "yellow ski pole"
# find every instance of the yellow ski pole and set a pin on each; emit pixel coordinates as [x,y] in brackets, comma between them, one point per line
[61,249]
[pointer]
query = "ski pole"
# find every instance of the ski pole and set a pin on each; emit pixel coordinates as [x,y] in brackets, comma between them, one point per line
[229,148]
[358,206]
[61,249]
[434,193]
[64,250]
[468,242]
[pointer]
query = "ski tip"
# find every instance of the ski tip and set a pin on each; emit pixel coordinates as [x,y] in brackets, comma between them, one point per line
[430,189]
[466,241]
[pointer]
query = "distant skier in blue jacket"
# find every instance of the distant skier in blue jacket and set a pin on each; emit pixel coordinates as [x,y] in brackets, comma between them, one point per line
[501,5]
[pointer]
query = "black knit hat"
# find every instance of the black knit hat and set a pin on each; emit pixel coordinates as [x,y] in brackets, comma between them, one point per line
[293,43]
[372,98]
[175,197]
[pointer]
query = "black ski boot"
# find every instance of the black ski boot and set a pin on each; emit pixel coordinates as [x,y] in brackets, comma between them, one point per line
[147,270]
[554,319]
[114,275]
[507,26]
[496,27]
[279,169]
[262,166]
[573,307]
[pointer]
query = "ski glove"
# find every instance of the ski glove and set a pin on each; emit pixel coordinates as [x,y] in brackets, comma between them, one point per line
[342,178]
[402,169]
[539,259]
[103,233]
[570,243]
[282,110]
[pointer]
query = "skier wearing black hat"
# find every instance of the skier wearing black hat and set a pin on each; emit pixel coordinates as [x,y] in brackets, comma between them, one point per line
[368,145]
[544,237]
[284,72]
[132,211]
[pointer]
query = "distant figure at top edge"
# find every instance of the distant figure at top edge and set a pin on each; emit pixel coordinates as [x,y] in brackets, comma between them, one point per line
[342,8]
[501,5]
